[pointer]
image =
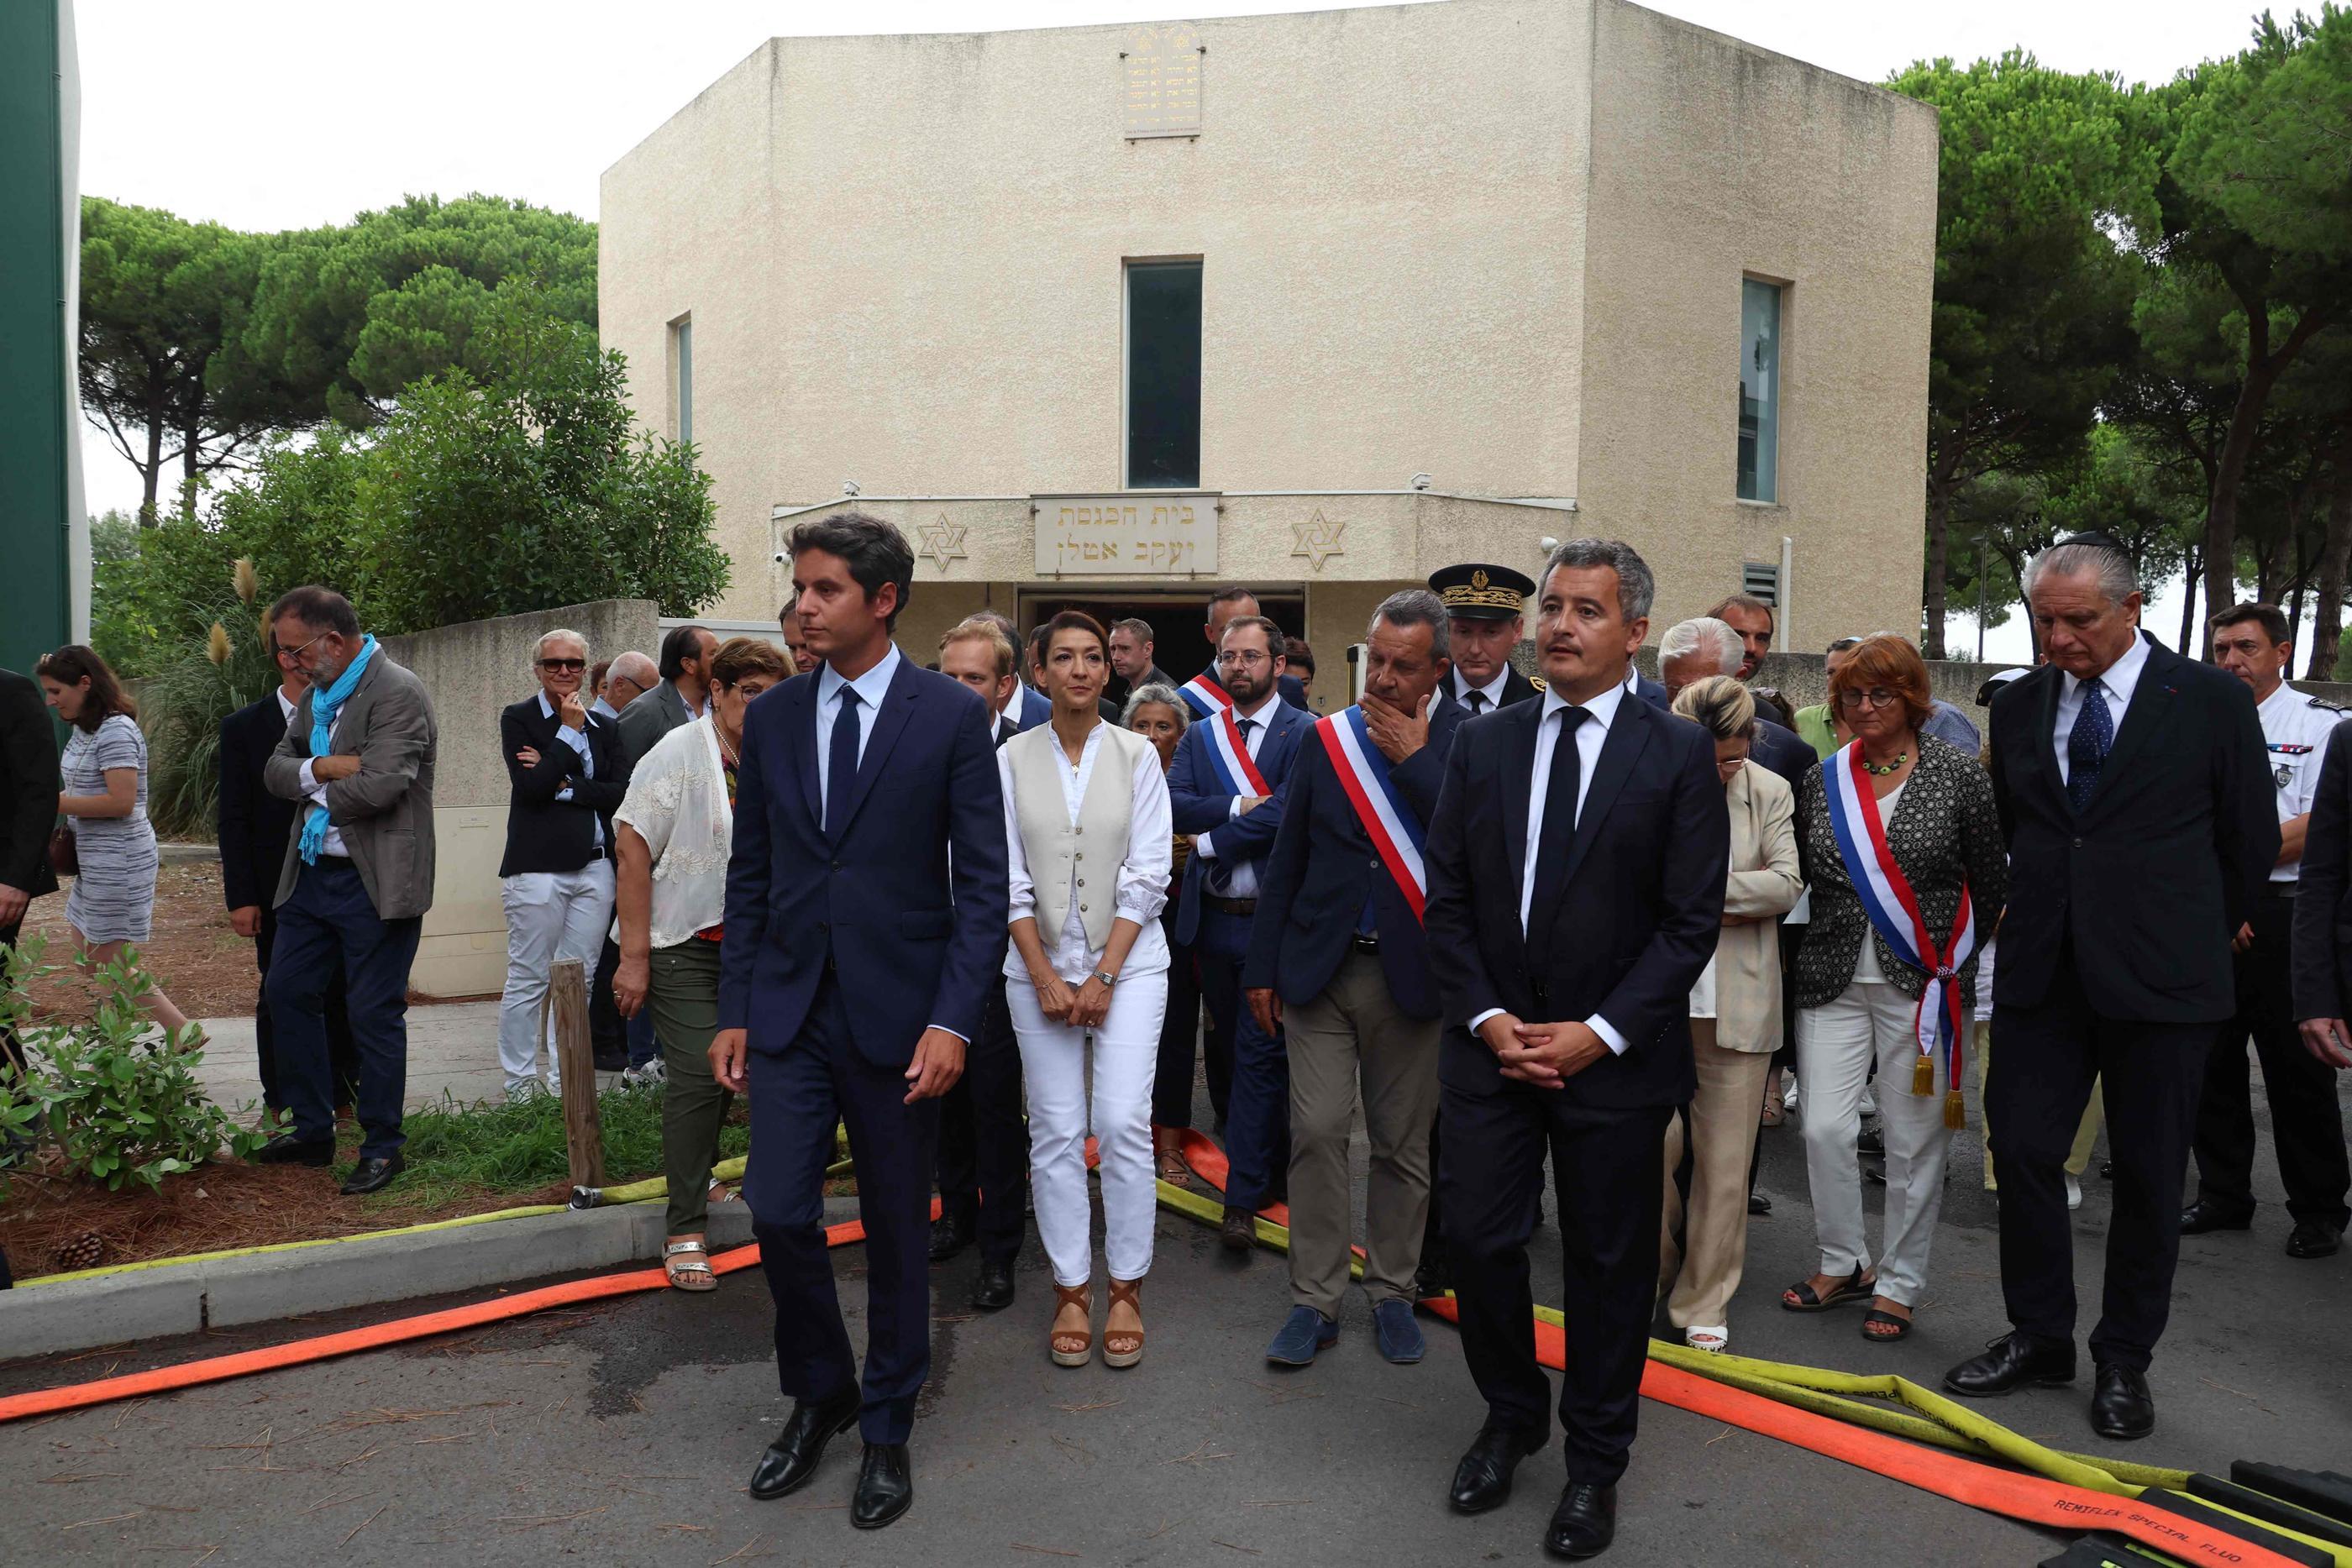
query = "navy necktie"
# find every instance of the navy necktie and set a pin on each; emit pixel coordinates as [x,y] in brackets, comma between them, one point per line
[2087,744]
[841,765]
[1558,829]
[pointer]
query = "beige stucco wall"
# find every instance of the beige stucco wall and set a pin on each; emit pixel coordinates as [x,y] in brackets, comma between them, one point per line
[1713,160]
[472,672]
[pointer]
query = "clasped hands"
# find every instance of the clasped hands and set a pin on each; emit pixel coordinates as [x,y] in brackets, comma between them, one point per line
[1084,1008]
[938,1063]
[1541,1055]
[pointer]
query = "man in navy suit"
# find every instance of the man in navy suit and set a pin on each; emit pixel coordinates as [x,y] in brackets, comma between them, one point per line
[1337,958]
[1234,822]
[866,916]
[1576,868]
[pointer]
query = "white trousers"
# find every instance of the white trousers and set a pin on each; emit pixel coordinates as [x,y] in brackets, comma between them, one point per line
[550,915]
[1054,1073]
[1835,1045]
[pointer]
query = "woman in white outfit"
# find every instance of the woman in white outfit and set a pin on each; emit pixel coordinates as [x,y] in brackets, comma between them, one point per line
[1088,825]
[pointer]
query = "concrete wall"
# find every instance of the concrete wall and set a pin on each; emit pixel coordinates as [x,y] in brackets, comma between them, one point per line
[472,672]
[1712,161]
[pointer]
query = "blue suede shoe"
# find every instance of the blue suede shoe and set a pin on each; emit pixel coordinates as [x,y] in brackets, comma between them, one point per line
[1303,1331]
[1398,1336]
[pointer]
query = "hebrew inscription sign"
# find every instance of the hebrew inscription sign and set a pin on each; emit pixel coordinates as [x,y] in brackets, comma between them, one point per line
[1125,535]
[1160,82]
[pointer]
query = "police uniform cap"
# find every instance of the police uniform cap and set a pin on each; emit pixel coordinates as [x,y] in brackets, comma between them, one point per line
[1478,591]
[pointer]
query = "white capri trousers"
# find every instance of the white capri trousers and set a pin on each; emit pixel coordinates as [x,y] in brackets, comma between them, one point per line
[1054,1073]
[1835,1045]
[550,915]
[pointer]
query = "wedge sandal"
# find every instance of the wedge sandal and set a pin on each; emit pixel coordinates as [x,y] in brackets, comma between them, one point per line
[1124,1347]
[1073,1347]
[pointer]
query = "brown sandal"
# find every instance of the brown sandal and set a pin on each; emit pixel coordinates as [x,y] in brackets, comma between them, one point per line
[1073,1347]
[1124,1347]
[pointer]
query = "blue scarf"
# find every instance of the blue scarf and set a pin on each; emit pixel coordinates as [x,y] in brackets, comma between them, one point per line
[324,706]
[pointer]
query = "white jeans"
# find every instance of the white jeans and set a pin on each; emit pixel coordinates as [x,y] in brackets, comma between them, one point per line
[1835,1045]
[550,915]
[1054,1073]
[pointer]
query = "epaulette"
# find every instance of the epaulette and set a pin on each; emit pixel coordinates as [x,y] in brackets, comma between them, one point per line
[2331,707]
[1542,686]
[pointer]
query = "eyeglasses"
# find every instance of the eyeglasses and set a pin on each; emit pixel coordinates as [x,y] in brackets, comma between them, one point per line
[1876,697]
[1245,658]
[1727,766]
[296,653]
[565,664]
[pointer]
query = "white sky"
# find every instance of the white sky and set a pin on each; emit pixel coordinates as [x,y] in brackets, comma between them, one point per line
[274,114]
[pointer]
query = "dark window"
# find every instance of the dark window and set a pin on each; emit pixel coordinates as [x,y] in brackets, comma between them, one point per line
[1163,375]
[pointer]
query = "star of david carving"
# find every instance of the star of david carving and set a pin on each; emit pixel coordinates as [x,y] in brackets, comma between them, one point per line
[944,541]
[1318,538]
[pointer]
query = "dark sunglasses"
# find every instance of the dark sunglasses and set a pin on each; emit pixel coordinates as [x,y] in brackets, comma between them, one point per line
[563,663]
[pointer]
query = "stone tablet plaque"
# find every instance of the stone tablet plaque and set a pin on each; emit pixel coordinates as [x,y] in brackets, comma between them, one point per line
[1160,82]
[1125,535]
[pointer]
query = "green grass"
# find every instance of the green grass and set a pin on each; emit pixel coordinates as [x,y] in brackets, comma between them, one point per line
[457,1151]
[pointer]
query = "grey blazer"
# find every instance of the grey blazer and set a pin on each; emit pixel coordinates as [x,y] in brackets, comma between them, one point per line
[384,811]
[653,715]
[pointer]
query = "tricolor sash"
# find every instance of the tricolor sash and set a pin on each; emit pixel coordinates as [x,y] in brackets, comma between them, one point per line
[1894,910]
[1363,773]
[1236,768]
[1204,696]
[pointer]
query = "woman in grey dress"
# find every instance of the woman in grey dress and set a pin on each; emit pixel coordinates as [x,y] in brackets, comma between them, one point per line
[104,774]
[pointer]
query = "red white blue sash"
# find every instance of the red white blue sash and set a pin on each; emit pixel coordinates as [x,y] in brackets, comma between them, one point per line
[1204,696]
[1236,768]
[1894,910]
[1364,771]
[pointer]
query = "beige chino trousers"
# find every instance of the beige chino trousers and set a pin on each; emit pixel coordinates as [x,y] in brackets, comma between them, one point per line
[1704,1271]
[1353,1033]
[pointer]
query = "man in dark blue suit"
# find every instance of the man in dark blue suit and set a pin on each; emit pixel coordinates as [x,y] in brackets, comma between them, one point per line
[1337,961]
[1234,822]
[1576,867]
[866,917]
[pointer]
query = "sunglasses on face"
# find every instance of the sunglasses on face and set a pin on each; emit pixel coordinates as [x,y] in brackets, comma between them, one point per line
[560,664]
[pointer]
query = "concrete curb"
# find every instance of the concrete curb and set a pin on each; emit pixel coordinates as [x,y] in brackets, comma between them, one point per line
[181,1298]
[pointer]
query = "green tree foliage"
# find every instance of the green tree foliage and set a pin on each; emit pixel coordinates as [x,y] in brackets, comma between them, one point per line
[2037,173]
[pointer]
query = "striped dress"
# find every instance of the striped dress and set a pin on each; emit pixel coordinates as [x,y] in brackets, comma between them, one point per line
[114,899]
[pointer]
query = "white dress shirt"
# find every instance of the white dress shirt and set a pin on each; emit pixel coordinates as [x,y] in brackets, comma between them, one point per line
[1590,736]
[1459,684]
[577,739]
[872,687]
[1142,888]
[316,791]
[1240,880]
[2294,734]
[2119,680]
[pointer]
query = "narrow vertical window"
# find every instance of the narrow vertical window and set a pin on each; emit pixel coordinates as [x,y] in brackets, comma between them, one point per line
[1759,391]
[1163,375]
[681,337]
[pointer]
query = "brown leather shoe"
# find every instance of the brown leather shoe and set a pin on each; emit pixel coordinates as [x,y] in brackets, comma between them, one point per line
[1239,1232]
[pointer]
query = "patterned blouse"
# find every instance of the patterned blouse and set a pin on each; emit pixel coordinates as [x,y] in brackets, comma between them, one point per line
[1945,833]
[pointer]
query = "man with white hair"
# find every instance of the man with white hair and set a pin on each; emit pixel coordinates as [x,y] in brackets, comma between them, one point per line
[1701,646]
[627,679]
[2133,792]
[569,772]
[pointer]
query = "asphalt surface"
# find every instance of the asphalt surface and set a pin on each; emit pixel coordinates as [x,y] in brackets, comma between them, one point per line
[623,1432]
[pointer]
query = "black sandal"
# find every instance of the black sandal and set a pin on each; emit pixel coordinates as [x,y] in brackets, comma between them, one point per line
[1855,1287]
[1902,1326]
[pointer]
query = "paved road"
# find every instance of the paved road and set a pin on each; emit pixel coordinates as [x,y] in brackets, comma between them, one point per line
[623,1432]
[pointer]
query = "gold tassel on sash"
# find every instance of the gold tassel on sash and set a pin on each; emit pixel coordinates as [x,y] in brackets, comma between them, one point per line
[1954,1118]
[1923,1075]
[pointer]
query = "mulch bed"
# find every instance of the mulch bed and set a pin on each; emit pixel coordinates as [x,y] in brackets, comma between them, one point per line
[49,1226]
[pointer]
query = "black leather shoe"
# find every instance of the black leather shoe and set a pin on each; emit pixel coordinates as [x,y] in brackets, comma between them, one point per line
[2205,1215]
[992,1292]
[2011,1362]
[286,1149]
[372,1175]
[1759,1203]
[950,1235]
[885,1487]
[2121,1407]
[1239,1231]
[788,1462]
[1584,1523]
[1429,1282]
[1483,1480]
[2313,1239]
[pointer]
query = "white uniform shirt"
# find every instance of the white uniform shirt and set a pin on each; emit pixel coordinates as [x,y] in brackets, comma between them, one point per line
[1458,685]
[2295,729]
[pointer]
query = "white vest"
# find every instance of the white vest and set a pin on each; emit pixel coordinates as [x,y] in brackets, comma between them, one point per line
[1090,851]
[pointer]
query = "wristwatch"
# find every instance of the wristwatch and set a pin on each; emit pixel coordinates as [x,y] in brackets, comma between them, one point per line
[1107,978]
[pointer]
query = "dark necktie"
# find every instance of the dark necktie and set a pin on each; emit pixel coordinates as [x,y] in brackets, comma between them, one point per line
[1245,725]
[2087,744]
[841,766]
[1477,704]
[1558,829]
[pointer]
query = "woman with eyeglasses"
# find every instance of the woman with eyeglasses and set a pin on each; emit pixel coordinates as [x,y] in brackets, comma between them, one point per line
[1735,1013]
[567,772]
[1897,832]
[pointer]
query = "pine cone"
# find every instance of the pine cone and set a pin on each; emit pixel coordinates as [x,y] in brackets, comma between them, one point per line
[81,1252]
